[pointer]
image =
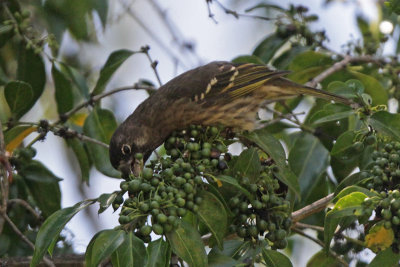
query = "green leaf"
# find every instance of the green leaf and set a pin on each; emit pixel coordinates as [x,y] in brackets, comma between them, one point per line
[159,253]
[343,145]
[103,245]
[187,244]
[105,200]
[248,59]
[100,125]
[268,47]
[310,59]
[221,260]
[31,70]
[132,252]
[43,185]
[77,79]
[386,258]
[82,157]
[113,62]
[248,163]
[19,96]
[372,87]
[213,214]
[232,181]
[346,206]
[274,258]
[274,149]
[308,159]
[51,228]
[101,6]
[282,62]
[322,259]
[63,91]
[327,117]
[348,181]
[354,188]
[386,123]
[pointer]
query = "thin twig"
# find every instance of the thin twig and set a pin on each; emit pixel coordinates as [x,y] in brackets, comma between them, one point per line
[314,207]
[232,12]
[341,65]
[153,64]
[25,239]
[308,226]
[26,205]
[319,242]
[96,98]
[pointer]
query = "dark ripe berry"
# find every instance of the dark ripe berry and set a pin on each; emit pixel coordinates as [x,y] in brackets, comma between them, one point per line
[215,153]
[262,225]
[134,186]
[222,165]
[206,152]
[253,188]
[241,232]
[157,229]
[280,234]
[147,173]
[145,230]
[388,148]
[253,231]
[234,202]
[370,140]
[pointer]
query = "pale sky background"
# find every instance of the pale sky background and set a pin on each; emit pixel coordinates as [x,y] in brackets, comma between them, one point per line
[222,41]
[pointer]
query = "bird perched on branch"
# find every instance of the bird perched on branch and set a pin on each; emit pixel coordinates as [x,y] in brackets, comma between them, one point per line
[223,93]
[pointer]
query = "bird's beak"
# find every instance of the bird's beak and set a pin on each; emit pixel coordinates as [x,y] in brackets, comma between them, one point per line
[133,166]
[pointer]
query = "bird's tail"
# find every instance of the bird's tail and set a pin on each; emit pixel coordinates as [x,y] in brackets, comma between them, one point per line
[292,89]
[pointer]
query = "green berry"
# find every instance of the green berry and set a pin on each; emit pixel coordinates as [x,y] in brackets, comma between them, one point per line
[138,156]
[134,186]
[206,152]
[143,206]
[147,173]
[145,230]
[180,202]
[386,214]
[253,231]
[157,229]
[370,140]
[188,188]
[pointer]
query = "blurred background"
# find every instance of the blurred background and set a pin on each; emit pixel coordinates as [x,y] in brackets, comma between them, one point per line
[181,36]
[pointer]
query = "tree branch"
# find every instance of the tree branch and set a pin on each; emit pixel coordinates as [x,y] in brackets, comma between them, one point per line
[26,205]
[341,65]
[315,207]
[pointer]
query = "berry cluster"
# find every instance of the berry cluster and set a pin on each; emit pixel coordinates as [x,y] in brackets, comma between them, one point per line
[264,212]
[170,186]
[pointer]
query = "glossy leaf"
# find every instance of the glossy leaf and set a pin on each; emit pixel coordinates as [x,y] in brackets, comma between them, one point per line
[103,245]
[105,200]
[19,96]
[269,46]
[282,61]
[63,91]
[186,242]
[309,59]
[386,258]
[274,149]
[372,87]
[159,253]
[308,159]
[39,180]
[132,252]
[221,260]
[213,214]
[51,228]
[31,70]
[321,258]
[248,163]
[342,147]
[100,125]
[274,258]
[386,123]
[113,62]
[15,136]
[232,181]
[348,205]
[354,188]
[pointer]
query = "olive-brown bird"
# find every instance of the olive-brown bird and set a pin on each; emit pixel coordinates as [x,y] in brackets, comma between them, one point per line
[223,93]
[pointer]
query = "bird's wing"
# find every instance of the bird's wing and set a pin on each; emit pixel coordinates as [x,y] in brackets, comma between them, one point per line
[239,80]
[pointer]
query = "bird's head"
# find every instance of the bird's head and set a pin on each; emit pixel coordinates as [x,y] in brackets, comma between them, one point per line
[127,141]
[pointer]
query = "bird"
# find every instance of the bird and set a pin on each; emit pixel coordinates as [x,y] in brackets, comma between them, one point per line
[218,93]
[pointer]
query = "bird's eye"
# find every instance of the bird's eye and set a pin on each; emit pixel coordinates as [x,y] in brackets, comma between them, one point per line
[126,149]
